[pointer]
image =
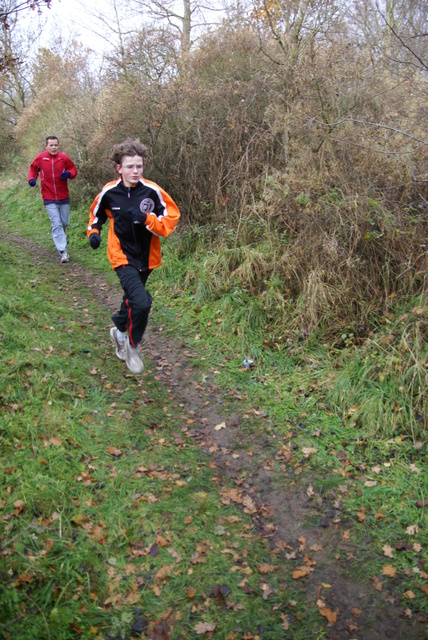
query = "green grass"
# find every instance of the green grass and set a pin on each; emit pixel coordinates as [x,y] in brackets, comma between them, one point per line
[87,537]
[94,544]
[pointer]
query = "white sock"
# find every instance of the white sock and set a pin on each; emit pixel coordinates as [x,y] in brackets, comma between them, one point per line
[120,335]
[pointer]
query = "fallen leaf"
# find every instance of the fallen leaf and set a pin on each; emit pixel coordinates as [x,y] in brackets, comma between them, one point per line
[299,573]
[388,551]
[285,622]
[113,451]
[308,451]
[410,595]
[164,572]
[412,530]
[80,519]
[205,627]
[266,590]
[310,491]
[329,614]
[370,483]
[19,506]
[377,583]
[362,514]
[222,425]
[249,504]
[414,468]
[389,570]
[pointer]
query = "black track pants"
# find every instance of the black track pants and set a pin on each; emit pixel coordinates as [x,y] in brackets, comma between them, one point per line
[136,303]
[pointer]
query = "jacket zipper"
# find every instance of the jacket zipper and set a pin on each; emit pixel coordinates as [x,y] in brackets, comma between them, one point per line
[137,245]
[53,177]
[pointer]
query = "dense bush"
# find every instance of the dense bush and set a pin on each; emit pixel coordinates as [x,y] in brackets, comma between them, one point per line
[296,144]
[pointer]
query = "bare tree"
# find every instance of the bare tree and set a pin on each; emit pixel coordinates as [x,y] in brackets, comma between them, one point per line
[396,30]
[194,16]
[9,15]
[13,7]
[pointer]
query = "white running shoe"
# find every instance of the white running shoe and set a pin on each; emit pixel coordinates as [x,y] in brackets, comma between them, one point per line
[64,256]
[133,360]
[120,346]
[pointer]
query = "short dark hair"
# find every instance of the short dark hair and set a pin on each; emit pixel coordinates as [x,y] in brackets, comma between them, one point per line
[128,147]
[52,138]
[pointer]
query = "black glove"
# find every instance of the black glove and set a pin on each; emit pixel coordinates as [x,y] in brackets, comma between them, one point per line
[95,240]
[65,175]
[32,182]
[138,216]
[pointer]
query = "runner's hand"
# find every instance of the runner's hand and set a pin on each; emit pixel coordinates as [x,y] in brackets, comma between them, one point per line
[138,216]
[95,240]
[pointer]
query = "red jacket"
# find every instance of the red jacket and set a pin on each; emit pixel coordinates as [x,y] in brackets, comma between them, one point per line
[50,169]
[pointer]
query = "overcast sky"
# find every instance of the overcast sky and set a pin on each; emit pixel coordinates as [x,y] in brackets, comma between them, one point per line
[73,19]
[78,19]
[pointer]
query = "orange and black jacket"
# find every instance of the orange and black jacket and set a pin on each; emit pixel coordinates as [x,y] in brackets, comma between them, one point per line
[129,243]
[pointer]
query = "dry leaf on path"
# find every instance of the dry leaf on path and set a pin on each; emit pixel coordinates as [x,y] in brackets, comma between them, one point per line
[377,583]
[299,573]
[222,425]
[329,614]
[389,570]
[249,504]
[205,627]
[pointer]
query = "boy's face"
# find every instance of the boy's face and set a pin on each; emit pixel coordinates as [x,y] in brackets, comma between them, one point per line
[131,170]
[52,146]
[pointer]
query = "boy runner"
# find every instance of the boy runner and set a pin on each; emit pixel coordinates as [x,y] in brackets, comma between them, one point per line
[139,211]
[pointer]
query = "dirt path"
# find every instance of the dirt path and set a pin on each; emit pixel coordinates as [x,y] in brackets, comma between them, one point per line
[282,511]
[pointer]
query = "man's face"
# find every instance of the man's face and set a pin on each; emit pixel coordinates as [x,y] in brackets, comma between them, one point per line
[131,170]
[52,146]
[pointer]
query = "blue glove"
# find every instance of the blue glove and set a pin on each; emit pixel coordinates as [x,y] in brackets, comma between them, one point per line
[65,175]
[32,182]
[95,240]
[138,216]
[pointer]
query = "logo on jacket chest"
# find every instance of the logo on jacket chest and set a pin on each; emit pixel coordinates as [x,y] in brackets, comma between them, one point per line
[147,205]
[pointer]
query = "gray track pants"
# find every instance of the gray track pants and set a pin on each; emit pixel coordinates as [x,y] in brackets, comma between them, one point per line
[59,215]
